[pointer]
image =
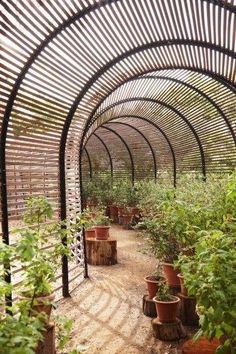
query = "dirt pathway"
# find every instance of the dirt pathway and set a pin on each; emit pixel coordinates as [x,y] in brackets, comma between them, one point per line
[107,308]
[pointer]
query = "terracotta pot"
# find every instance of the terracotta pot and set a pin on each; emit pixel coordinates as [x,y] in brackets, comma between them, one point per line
[152,284]
[126,220]
[90,233]
[135,211]
[120,211]
[102,232]
[42,304]
[201,346]
[120,220]
[171,274]
[113,212]
[167,311]
[184,290]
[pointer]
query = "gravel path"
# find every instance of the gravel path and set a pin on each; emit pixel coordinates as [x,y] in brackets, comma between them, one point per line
[107,307]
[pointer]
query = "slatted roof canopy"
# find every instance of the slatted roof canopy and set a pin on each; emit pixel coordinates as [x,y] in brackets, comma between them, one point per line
[66,64]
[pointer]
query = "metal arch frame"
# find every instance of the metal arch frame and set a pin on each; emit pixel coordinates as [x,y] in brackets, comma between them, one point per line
[170,107]
[127,148]
[138,77]
[163,134]
[102,3]
[106,148]
[90,164]
[147,141]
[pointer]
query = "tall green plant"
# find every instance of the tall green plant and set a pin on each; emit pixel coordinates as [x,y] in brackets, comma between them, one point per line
[210,276]
[41,246]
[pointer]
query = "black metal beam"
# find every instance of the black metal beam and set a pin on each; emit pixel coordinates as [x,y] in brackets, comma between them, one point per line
[145,138]
[171,108]
[160,77]
[127,148]
[160,130]
[108,152]
[27,66]
[89,161]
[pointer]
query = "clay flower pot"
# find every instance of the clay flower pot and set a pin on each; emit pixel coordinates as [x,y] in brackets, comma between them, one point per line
[135,211]
[102,232]
[113,212]
[120,211]
[152,284]
[41,304]
[90,233]
[184,290]
[126,220]
[167,310]
[171,274]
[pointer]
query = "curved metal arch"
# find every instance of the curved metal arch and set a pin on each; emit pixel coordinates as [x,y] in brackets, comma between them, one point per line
[107,150]
[163,134]
[176,112]
[90,164]
[201,93]
[73,109]
[127,148]
[147,141]
[12,97]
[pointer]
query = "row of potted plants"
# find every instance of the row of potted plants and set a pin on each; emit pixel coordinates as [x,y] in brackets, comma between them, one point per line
[120,198]
[194,230]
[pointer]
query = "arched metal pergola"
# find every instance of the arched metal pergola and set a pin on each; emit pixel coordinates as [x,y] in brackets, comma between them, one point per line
[156,78]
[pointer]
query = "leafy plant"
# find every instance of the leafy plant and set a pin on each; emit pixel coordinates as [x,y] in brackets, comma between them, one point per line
[210,276]
[20,334]
[41,246]
[163,293]
[102,219]
[88,218]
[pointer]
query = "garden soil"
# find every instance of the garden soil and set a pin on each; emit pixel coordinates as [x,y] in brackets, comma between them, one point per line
[106,309]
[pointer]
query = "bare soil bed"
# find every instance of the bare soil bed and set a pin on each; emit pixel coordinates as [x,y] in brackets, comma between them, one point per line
[107,307]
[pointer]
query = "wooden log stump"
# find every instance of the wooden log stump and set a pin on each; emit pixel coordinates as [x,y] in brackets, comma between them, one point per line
[168,331]
[201,346]
[47,345]
[101,252]
[149,307]
[187,312]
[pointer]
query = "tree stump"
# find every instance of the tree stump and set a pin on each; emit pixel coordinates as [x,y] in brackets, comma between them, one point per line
[149,307]
[201,346]
[47,345]
[101,252]
[168,331]
[187,312]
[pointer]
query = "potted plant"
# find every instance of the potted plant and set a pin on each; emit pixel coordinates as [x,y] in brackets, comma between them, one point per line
[39,249]
[102,226]
[211,279]
[127,217]
[164,245]
[19,333]
[166,304]
[88,220]
[153,282]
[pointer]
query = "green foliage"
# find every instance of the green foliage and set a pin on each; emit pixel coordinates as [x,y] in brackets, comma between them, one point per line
[6,256]
[98,191]
[88,218]
[63,331]
[101,218]
[41,246]
[163,293]
[19,334]
[210,276]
